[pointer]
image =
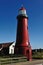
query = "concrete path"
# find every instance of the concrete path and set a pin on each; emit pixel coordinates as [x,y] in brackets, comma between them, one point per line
[34,62]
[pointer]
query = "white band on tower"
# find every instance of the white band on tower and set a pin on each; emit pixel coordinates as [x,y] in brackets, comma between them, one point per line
[22,12]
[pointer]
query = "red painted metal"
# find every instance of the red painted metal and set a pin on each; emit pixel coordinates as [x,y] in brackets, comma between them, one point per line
[22,8]
[22,40]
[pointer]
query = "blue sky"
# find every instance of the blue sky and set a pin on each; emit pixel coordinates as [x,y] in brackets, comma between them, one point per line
[8,22]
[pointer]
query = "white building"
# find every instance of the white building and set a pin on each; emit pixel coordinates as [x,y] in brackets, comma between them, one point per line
[7,48]
[11,48]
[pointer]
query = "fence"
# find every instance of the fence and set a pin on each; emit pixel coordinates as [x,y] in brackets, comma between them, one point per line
[5,61]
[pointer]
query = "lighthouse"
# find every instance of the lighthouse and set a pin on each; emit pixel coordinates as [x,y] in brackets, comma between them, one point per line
[22,46]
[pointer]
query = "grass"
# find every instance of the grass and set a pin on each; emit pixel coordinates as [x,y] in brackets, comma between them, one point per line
[15,59]
[4,61]
[38,55]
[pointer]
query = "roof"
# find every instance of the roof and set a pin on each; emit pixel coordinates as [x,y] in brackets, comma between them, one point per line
[22,8]
[5,44]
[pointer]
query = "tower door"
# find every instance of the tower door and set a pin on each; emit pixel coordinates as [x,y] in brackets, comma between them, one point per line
[27,54]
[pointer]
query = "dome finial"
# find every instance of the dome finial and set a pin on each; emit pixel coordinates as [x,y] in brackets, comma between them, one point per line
[22,7]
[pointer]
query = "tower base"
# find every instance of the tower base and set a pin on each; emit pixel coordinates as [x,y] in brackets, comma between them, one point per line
[25,51]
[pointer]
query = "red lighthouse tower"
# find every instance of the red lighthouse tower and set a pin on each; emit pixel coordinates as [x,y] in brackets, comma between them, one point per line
[22,45]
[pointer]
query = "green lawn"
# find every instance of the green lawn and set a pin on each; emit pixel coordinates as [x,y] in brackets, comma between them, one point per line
[4,61]
[10,59]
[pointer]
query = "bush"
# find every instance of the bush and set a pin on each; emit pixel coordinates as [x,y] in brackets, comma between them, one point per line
[37,55]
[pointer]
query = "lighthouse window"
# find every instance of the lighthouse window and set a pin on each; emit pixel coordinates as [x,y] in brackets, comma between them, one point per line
[27,27]
[22,12]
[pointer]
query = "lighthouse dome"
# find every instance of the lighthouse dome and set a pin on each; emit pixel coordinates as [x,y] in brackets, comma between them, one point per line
[22,11]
